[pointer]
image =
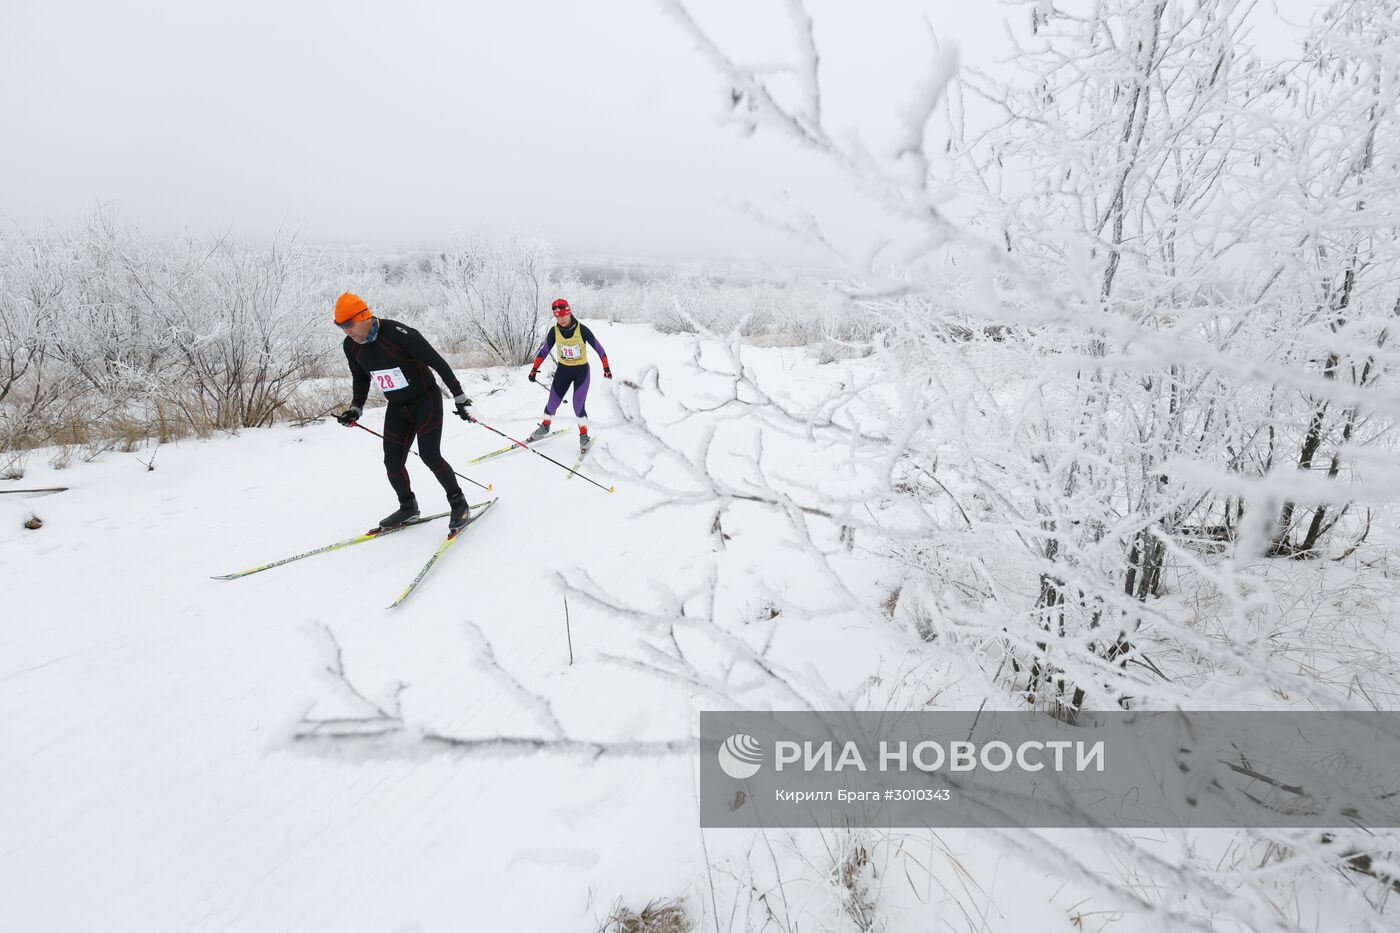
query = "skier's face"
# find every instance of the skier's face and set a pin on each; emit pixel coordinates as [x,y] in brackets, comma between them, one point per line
[564,320]
[358,330]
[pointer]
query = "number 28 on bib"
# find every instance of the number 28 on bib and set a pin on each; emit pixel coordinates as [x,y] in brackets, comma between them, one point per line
[389,379]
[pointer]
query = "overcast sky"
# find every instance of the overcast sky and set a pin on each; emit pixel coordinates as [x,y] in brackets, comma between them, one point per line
[398,124]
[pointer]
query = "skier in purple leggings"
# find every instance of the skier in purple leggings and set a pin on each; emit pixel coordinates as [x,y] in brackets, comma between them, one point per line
[572,340]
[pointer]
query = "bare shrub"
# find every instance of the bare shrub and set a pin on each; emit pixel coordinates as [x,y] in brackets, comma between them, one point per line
[656,917]
[12,463]
[316,399]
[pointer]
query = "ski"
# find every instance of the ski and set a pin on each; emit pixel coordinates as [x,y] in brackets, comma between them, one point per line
[578,463]
[370,535]
[442,549]
[509,447]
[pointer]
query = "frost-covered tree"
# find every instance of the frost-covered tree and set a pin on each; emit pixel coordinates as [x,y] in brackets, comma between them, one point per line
[1329,191]
[497,293]
[1062,440]
[199,334]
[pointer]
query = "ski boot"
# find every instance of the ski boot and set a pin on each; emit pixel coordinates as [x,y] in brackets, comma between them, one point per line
[540,432]
[406,512]
[458,518]
[585,441]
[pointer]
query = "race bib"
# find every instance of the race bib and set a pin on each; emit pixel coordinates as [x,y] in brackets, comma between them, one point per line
[570,351]
[389,379]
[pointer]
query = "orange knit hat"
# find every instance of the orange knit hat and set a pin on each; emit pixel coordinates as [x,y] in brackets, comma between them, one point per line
[349,308]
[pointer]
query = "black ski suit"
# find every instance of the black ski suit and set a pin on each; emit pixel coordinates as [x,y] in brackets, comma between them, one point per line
[400,361]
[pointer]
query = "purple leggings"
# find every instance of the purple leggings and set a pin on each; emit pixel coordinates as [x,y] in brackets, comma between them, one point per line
[564,378]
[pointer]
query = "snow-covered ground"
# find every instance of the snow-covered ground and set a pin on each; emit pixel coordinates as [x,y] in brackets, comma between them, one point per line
[282,752]
[152,779]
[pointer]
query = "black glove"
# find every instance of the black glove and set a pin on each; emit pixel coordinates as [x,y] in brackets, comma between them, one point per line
[464,408]
[349,416]
[607,373]
[533,374]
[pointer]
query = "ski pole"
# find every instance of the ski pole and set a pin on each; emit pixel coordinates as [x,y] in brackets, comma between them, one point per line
[546,456]
[487,487]
[568,631]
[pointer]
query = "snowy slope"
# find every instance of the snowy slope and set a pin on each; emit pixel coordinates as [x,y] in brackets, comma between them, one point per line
[282,752]
[151,779]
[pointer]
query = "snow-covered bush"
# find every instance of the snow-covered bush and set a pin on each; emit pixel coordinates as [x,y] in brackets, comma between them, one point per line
[498,293]
[1184,229]
[623,300]
[34,278]
[777,310]
[109,332]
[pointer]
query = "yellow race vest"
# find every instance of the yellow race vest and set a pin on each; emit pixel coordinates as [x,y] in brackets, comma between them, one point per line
[573,351]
